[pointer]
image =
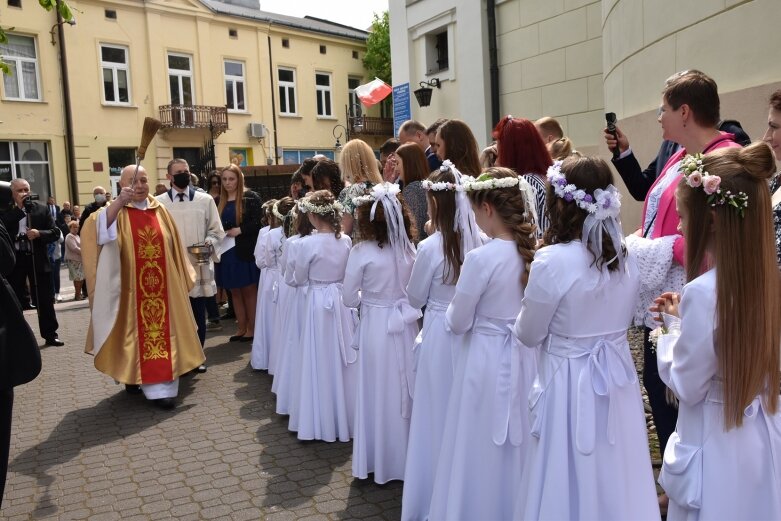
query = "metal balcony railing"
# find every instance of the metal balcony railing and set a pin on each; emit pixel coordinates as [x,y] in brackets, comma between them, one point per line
[195,116]
[369,126]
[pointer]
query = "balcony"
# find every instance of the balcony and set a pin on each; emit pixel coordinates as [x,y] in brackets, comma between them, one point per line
[369,126]
[196,117]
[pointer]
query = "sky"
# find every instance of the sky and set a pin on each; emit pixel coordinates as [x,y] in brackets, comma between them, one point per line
[355,13]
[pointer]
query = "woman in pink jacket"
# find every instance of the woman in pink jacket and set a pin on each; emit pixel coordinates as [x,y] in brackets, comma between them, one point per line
[689,116]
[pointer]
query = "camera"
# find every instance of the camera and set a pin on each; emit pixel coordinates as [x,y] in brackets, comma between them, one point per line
[23,244]
[29,201]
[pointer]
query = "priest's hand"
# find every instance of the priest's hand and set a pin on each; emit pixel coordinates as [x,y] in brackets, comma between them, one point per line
[125,196]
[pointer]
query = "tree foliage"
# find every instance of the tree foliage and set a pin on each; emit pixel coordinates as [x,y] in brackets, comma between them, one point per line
[61,5]
[378,56]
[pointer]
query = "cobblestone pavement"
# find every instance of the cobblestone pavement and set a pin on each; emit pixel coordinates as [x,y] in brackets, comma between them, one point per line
[84,449]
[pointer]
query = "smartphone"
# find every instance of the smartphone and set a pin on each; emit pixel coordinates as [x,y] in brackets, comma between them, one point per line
[610,117]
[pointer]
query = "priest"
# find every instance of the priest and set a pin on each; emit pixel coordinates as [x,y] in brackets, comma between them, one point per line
[142,332]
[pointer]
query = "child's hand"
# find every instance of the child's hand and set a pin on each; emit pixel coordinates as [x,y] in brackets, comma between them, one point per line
[666,303]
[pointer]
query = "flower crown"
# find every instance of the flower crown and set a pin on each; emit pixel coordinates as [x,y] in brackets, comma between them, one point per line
[694,172]
[377,192]
[275,211]
[307,206]
[442,186]
[603,204]
[488,182]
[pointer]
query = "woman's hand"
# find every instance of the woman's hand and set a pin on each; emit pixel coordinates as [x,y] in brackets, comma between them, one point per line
[233,232]
[667,303]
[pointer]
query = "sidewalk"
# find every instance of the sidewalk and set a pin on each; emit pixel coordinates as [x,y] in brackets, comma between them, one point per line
[82,448]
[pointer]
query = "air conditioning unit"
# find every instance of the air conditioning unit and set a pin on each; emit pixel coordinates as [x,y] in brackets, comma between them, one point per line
[257,130]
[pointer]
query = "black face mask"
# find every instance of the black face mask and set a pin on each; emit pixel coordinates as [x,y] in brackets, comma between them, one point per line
[182,180]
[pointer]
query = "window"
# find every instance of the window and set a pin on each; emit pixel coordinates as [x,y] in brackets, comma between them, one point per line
[355,108]
[119,158]
[323,90]
[14,3]
[26,160]
[322,49]
[355,55]
[234,85]
[285,43]
[233,33]
[437,54]
[111,14]
[287,91]
[180,79]
[19,54]
[116,74]
[296,157]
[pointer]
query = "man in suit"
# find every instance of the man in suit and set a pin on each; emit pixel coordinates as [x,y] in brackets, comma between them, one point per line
[54,210]
[31,226]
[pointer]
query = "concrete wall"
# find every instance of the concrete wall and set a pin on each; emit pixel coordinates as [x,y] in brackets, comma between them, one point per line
[550,57]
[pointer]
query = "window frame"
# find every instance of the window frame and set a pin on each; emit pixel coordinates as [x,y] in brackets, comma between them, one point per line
[352,98]
[290,87]
[18,76]
[15,165]
[234,80]
[114,67]
[181,74]
[326,91]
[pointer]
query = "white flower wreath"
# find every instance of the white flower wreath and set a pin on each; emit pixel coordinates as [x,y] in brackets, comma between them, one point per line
[275,211]
[487,182]
[307,206]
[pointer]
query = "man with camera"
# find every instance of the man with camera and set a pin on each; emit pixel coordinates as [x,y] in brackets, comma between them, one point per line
[32,227]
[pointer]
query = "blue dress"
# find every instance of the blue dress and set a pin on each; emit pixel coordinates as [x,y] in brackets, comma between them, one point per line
[232,272]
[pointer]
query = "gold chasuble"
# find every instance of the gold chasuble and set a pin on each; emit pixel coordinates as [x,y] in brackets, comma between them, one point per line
[141,329]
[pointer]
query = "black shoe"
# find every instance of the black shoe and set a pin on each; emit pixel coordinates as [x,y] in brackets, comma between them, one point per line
[132,389]
[165,403]
[54,342]
[236,338]
[247,339]
[200,369]
[27,307]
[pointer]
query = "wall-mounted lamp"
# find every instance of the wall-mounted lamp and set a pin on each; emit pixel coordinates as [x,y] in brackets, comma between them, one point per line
[423,94]
[342,130]
[72,21]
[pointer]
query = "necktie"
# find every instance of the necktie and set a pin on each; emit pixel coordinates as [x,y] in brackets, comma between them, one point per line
[181,197]
[54,211]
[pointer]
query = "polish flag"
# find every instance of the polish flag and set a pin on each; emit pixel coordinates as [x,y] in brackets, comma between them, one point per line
[373,92]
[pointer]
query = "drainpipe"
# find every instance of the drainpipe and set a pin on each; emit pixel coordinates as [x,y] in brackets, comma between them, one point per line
[493,62]
[66,99]
[273,101]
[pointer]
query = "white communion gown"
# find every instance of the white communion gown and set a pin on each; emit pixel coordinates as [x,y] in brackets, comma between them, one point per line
[259,355]
[435,358]
[326,401]
[486,428]
[386,333]
[266,308]
[710,473]
[289,317]
[588,452]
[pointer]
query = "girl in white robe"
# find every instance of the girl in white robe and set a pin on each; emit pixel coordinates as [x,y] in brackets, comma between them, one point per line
[377,274]
[288,332]
[588,451]
[259,355]
[486,427]
[432,284]
[326,398]
[721,357]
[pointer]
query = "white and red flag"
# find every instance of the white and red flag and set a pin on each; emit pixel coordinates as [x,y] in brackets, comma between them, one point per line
[373,92]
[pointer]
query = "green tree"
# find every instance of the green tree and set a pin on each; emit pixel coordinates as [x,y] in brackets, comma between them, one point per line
[378,55]
[61,5]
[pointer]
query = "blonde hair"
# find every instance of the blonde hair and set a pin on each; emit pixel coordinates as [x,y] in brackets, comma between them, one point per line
[239,191]
[358,163]
[748,288]
[560,149]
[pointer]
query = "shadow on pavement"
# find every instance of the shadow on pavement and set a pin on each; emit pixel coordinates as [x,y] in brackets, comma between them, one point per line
[112,418]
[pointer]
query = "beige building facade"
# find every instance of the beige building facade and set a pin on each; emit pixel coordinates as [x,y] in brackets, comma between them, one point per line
[576,59]
[229,82]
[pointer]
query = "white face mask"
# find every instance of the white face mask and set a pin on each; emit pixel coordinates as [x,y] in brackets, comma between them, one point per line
[100,198]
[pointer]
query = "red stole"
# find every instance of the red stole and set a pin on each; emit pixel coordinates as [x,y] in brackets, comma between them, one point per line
[152,318]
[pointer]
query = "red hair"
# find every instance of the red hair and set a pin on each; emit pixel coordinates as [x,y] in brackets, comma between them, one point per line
[521,147]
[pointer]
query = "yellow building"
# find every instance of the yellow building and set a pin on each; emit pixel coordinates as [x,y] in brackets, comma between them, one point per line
[263,88]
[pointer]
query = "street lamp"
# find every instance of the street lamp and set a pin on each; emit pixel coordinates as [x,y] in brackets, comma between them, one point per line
[355,117]
[342,132]
[423,94]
